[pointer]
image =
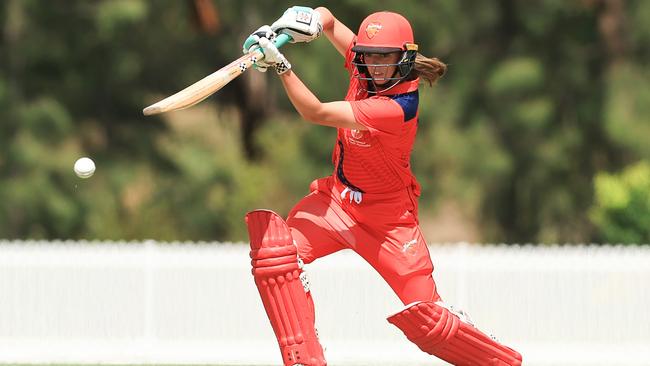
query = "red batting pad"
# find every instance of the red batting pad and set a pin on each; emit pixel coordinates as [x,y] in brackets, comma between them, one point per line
[277,276]
[439,332]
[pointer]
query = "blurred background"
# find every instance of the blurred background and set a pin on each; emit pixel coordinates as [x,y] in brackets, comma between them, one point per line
[538,133]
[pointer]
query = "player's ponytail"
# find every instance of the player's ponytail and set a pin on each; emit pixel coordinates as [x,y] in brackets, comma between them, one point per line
[429,69]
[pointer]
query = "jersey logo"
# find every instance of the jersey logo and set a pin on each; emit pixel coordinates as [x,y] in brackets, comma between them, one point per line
[410,247]
[358,138]
[372,29]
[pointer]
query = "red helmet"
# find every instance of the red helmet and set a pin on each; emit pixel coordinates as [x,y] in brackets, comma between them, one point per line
[384,32]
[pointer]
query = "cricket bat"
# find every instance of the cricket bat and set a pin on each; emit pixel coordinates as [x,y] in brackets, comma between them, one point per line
[210,84]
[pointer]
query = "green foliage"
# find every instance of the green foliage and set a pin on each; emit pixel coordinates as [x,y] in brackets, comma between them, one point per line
[515,76]
[111,15]
[621,210]
[538,99]
[628,108]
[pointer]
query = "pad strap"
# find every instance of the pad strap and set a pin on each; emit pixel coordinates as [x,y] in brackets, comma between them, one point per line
[437,331]
[277,276]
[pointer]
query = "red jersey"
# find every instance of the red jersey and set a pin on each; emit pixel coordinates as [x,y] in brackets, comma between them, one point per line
[378,160]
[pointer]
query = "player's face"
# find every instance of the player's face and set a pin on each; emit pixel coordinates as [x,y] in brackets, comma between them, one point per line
[380,74]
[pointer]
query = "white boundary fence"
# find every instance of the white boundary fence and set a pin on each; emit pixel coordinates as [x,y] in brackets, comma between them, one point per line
[133,303]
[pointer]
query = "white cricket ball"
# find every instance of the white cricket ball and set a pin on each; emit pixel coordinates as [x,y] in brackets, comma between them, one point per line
[84,168]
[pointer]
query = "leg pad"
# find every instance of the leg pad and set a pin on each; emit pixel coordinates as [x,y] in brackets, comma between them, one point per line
[277,276]
[437,331]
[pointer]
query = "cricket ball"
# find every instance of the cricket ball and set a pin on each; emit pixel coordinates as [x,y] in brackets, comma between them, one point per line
[84,168]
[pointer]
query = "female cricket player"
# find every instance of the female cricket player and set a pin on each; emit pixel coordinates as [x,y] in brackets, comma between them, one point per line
[370,201]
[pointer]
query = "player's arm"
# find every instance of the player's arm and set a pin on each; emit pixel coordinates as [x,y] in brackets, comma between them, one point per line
[338,33]
[334,114]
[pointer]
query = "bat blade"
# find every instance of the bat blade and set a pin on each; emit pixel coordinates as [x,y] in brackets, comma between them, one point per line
[205,87]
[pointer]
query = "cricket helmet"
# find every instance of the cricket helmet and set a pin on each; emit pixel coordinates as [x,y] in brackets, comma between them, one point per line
[385,32]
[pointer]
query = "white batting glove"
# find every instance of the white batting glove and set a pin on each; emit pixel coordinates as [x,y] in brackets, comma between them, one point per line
[273,56]
[252,43]
[263,39]
[303,24]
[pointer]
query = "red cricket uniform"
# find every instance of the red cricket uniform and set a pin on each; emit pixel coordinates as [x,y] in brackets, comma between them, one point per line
[369,203]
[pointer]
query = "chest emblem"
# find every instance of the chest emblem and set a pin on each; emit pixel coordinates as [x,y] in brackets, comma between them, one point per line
[359,138]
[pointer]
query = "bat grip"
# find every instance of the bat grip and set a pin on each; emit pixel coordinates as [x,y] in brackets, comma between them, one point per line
[281,40]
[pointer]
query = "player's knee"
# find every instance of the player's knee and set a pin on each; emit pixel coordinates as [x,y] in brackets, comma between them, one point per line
[267,229]
[272,248]
[425,324]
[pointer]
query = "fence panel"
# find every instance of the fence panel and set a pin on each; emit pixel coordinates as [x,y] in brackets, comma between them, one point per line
[173,303]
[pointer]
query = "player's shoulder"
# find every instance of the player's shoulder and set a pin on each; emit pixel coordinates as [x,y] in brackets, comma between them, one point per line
[402,107]
[408,102]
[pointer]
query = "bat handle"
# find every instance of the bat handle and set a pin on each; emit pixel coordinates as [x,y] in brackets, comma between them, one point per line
[281,40]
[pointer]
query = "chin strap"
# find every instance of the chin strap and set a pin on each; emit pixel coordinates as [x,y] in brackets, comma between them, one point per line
[374,90]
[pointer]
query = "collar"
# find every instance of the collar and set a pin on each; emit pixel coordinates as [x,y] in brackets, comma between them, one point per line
[406,86]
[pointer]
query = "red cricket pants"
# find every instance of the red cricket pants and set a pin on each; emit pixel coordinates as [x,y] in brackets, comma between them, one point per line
[383,229]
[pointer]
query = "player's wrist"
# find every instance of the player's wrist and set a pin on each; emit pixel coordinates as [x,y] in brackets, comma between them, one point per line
[282,67]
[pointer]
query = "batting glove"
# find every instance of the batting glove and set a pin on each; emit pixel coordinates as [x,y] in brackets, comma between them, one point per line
[252,43]
[273,56]
[303,24]
[263,39]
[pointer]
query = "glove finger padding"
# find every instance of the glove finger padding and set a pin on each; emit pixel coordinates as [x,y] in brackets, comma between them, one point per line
[303,24]
[252,43]
[273,56]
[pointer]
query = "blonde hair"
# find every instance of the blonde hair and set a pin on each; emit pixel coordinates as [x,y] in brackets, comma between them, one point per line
[429,69]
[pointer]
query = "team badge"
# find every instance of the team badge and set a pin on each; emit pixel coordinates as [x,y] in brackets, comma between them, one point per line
[357,134]
[372,29]
[359,138]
